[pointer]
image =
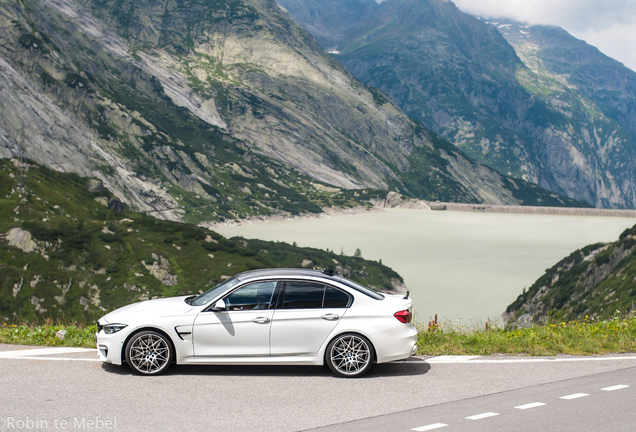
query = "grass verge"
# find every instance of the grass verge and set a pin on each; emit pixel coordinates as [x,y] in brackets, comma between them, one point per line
[75,336]
[584,337]
[575,338]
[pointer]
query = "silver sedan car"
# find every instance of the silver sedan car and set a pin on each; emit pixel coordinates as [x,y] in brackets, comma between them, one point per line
[272,316]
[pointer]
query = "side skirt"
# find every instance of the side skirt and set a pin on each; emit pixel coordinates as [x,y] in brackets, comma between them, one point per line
[282,360]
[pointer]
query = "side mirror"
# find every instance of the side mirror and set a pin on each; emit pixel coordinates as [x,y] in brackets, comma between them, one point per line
[219,305]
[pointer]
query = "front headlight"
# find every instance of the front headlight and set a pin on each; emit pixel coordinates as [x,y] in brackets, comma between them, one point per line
[114,328]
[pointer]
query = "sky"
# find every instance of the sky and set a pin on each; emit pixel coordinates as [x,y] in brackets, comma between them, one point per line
[609,25]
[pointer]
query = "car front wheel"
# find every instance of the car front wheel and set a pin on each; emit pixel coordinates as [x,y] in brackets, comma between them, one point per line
[349,355]
[149,353]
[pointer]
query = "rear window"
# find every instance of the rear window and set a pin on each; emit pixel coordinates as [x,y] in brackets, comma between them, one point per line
[335,298]
[360,288]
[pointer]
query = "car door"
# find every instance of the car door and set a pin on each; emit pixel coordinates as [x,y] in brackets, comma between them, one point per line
[306,314]
[242,329]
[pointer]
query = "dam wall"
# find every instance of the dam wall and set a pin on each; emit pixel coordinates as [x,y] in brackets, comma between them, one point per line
[561,211]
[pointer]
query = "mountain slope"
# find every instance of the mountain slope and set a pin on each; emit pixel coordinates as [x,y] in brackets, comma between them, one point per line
[596,281]
[592,90]
[606,82]
[64,254]
[199,110]
[567,131]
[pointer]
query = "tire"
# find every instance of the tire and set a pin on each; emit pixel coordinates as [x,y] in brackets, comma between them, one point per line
[349,355]
[149,353]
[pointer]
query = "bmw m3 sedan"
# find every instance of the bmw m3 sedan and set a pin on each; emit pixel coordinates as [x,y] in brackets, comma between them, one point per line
[263,317]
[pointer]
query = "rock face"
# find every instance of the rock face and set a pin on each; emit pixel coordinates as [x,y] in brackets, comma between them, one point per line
[191,110]
[534,103]
[160,269]
[20,239]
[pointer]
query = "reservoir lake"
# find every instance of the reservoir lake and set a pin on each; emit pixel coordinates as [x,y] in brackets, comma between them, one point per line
[466,267]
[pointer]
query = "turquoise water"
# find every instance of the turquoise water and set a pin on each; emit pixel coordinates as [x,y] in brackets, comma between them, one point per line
[461,266]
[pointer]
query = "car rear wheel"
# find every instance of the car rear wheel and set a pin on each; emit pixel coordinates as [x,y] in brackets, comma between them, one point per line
[349,355]
[149,353]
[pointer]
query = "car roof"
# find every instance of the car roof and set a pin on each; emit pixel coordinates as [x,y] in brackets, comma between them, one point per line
[326,275]
[283,272]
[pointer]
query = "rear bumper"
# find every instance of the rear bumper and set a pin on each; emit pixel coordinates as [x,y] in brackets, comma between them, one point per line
[398,346]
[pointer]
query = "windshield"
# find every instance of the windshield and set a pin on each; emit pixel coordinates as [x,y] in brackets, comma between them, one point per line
[212,293]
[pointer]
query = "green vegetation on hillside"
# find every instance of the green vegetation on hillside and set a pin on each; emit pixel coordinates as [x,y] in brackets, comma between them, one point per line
[595,281]
[64,255]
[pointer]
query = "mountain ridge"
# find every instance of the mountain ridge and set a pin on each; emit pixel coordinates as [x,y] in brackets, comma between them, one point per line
[196,113]
[463,79]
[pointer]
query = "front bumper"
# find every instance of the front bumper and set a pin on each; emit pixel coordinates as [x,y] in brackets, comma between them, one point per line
[110,346]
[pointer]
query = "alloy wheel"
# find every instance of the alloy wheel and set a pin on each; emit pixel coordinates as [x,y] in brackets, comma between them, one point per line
[350,355]
[148,353]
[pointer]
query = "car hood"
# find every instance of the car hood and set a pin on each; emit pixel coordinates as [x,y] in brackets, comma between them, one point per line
[158,307]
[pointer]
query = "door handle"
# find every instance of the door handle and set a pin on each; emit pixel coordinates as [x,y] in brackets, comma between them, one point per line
[261,320]
[330,317]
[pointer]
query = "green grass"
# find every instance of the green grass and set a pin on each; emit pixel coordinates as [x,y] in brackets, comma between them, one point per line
[76,335]
[575,338]
[585,337]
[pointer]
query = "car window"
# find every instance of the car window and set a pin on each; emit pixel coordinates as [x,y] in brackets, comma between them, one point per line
[360,288]
[312,295]
[335,298]
[303,295]
[212,293]
[253,296]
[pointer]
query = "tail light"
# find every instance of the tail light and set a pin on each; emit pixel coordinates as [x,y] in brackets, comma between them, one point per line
[404,316]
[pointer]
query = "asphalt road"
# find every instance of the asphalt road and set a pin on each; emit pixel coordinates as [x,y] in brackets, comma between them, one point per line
[48,390]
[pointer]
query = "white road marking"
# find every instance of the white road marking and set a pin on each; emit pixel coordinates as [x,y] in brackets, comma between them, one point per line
[474,359]
[429,427]
[39,353]
[616,387]
[530,405]
[451,359]
[520,407]
[45,351]
[574,396]
[54,358]
[482,416]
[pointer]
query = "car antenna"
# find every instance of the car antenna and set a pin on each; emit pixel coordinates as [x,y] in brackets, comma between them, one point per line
[407,295]
[329,272]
